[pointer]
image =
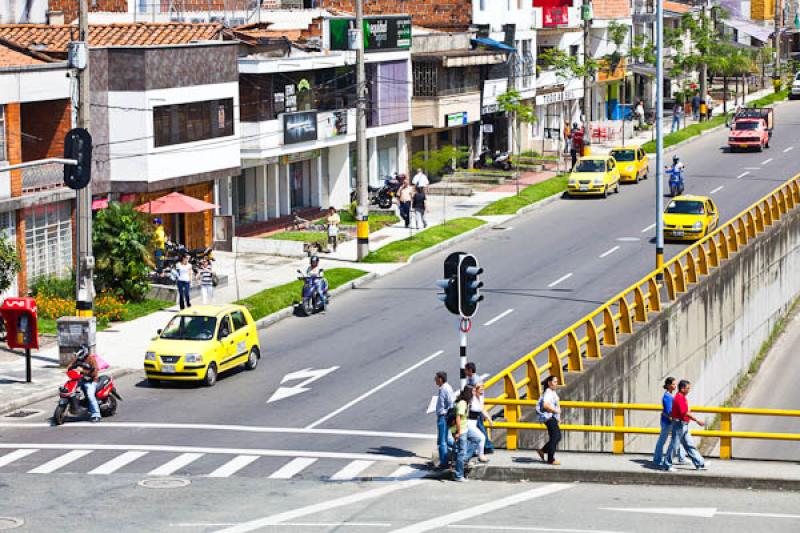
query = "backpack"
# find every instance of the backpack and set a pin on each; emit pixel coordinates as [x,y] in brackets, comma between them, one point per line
[540,409]
[450,418]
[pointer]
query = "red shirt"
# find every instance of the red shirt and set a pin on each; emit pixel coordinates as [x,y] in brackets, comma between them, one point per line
[680,407]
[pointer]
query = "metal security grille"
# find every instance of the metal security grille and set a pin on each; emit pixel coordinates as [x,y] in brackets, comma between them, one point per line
[425,79]
[48,240]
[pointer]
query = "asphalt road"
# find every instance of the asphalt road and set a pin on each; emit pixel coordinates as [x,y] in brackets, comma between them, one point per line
[414,506]
[380,345]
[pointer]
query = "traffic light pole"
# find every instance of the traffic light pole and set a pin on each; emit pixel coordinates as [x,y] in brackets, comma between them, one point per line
[464,325]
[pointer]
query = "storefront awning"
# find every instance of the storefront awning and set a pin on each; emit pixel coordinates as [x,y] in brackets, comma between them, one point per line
[761,33]
[491,43]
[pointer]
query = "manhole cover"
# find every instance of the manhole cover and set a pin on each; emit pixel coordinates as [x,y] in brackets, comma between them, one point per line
[164,483]
[22,413]
[8,522]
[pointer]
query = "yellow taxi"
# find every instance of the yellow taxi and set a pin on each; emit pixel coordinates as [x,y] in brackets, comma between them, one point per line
[201,342]
[632,162]
[689,217]
[592,175]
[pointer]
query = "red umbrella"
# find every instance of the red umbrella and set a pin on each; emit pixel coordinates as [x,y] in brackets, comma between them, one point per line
[175,202]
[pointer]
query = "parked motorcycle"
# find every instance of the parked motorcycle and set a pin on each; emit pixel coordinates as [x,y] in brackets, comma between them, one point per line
[313,301]
[73,399]
[500,160]
[675,181]
[383,196]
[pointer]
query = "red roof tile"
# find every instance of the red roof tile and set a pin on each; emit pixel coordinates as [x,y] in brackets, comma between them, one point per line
[12,56]
[676,7]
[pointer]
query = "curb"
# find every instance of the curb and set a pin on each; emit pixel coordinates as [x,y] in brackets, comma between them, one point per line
[39,396]
[611,477]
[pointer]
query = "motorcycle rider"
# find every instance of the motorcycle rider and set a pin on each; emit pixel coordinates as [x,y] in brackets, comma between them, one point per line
[86,364]
[314,271]
[677,164]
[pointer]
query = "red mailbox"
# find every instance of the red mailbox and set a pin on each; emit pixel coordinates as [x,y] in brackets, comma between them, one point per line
[21,321]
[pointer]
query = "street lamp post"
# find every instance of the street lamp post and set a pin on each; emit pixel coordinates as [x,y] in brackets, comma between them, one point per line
[659,137]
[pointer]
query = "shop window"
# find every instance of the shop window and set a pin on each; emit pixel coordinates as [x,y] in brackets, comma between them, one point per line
[389,94]
[195,121]
[48,240]
[255,98]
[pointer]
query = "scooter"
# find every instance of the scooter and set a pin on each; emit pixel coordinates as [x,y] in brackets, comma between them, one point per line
[383,196]
[73,399]
[675,181]
[313,301]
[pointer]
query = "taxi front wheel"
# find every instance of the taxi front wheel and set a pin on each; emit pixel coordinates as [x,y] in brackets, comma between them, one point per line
[211,375]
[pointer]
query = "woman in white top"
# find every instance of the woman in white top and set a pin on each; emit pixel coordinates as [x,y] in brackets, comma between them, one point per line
[476,411]
[550,414]
[206,277]
[184,274]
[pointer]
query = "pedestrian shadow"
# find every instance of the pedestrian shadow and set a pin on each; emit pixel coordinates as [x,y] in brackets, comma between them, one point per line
[391,451]
[646,464]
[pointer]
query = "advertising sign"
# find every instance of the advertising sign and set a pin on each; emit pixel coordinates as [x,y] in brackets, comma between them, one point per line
[555,16]
[339,123]
[380,33]
[299,127]
[456,119]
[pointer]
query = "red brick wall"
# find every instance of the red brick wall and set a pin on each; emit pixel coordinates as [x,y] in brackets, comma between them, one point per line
[70,7]
[14,146]
[430,13]
[44,124]
[611,9]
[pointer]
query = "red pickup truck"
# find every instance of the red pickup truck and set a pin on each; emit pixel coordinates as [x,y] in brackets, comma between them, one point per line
[752,128]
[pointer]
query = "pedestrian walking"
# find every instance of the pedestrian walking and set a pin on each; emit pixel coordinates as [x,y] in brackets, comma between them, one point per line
[549,413]
[183,274]
[567,136]
[576,143]
[332,222]
[696,106]
[681,416]
[420,179]
[206,277]
[465,443]
[444,402]
[404,196]
[703,109]
[677,113]
[477,414]
[709,106]
[640,113]
[419,203]
[670,386]
[474,380]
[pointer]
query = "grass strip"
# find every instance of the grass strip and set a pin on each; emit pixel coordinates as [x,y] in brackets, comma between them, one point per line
[276,298]
[400,251]
[376,222]
[530,194]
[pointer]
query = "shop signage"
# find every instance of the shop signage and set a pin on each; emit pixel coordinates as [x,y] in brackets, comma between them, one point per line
[456,119]
[559,96]
[489,109]
[488,128]
[604,73]
[300,156]
[555,16]
[380,33]
[299,127]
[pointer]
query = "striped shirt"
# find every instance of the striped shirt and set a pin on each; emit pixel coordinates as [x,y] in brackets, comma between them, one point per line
[206,277]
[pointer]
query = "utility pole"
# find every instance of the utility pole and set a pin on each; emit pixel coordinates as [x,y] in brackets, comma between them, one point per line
[703,66]
[586,14]
[84,297]
[362,172]
[776,38]
[659,138]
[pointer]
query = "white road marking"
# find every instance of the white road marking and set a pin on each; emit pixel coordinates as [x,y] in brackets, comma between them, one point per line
[698,512]
[717,189]
[170,467]
[286,516]
[293,524]
[743,174]
[308,375]
[233,466]
[763,515]
[559,280]
[431,405]
[788,149]
[293,467]
[483,377]
[609,252]
[10,457]
[526,528]
[767,162]
[351,470]
[59,462]
[372,391]
[481,509]
[116,463]
[223,427]
[751,168]
[498,317]
[408,472]
[648,228]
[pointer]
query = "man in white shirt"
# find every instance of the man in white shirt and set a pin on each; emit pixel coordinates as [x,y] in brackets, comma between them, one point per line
[420,179]
[444,401]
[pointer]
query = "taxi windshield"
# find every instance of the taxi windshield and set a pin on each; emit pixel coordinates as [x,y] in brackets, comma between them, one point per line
[190,328]
[624,155]
[591,165]
[686,208]
[749,125]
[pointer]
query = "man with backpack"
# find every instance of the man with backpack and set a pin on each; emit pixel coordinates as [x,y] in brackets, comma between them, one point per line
[444,402]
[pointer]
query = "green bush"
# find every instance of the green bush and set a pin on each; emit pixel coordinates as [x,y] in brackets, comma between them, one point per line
[123,249]
[54,286]
[9,263]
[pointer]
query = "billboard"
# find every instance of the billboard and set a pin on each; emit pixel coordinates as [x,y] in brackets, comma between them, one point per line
[380,33]
[299,127]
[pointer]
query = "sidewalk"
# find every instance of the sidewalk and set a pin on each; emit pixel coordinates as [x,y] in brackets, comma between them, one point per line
[633,469]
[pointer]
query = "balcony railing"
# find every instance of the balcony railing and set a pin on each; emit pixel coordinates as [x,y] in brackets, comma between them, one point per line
[43,177]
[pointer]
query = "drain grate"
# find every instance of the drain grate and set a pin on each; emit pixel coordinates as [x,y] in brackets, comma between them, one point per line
[164,483]
[9,522]
[22,413]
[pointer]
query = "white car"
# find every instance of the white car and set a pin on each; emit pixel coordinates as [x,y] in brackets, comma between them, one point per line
[795,92]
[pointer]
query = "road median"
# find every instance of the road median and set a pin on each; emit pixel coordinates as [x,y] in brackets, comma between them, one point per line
[527,196]
[402,250]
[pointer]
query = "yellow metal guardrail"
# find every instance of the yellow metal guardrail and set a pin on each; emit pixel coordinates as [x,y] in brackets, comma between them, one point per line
[589,336]
[619,429]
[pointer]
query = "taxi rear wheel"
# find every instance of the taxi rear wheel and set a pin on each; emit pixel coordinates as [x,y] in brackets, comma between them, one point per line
[211,375]
[252,359]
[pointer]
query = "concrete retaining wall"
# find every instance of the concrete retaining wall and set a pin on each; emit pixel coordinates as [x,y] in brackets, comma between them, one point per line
[270,246]
[709,336]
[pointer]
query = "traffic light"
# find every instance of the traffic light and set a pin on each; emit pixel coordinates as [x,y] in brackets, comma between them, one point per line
[450,283]
[469,286]
[78,146]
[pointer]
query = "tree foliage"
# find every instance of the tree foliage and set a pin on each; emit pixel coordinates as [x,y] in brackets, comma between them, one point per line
[434,161]
[9,263]
[123,246]
[510,102]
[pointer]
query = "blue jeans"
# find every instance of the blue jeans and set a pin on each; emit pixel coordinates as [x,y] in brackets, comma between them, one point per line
[465,449]
[322,288]
[658,455]
[183,294]
[681,437]
[444,440]
[676,123]
[488,446]
[89,389]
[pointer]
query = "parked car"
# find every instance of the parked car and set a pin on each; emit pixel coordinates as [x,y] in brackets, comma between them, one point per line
[795,91]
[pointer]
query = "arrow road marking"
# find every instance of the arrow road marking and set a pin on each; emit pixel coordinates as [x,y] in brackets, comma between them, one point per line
[698,512]
[309,375]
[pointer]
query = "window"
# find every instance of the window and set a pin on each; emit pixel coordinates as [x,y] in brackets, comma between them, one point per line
[48,240]
[190,328]
[3,156]
[238,320]
[573,50]
[483,5]
[224,327]
[195,121]
[544,51]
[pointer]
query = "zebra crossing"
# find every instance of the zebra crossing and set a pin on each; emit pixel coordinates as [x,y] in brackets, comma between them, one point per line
[154,463]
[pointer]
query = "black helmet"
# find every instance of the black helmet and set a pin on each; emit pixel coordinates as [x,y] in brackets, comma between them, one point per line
[675,158]
[314,259]
[82,352]
[575,125]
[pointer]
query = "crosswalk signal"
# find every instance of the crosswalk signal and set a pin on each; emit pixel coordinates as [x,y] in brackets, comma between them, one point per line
[78,146]
[450,283]
[469,286]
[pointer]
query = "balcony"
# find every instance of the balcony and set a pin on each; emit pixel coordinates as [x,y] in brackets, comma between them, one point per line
[267,137]
[42,178]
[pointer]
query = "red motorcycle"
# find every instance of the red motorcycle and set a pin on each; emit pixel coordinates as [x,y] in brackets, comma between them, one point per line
[72,397]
